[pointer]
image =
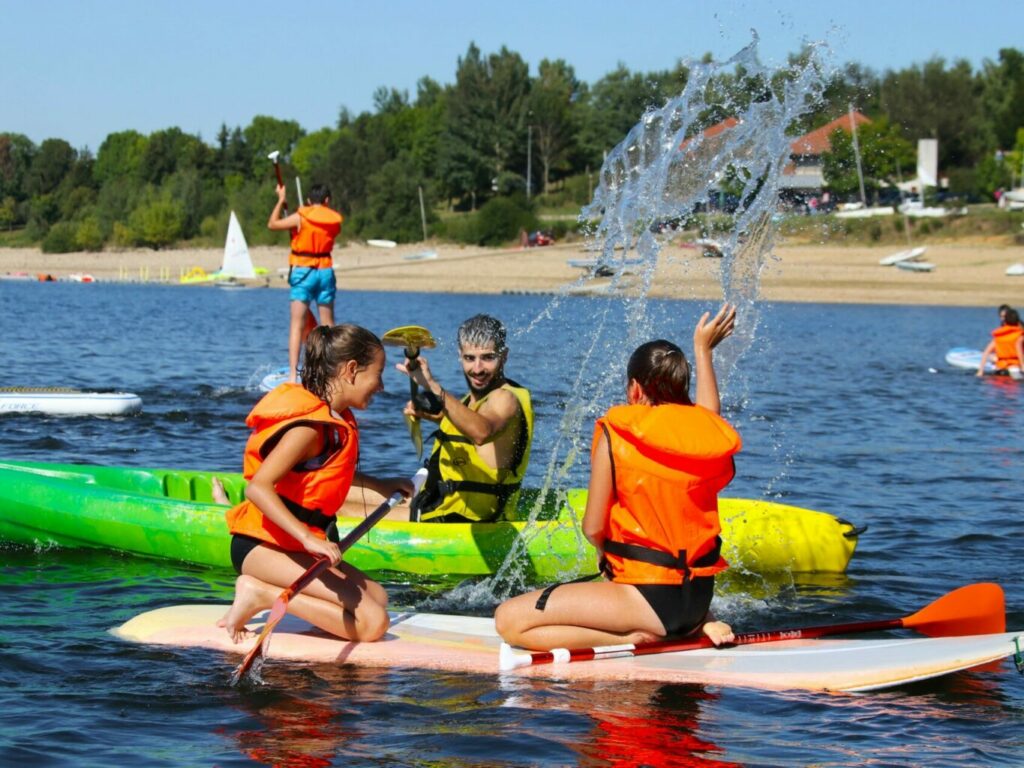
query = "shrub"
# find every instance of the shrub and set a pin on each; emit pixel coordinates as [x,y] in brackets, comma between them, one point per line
[502,218]
[60,238]
[89,235]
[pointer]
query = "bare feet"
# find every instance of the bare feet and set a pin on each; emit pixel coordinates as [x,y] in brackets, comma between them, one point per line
[718,631]
[217,491]
[251,597]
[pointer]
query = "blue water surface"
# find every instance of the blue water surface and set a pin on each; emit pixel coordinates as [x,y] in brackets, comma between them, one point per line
[847,409]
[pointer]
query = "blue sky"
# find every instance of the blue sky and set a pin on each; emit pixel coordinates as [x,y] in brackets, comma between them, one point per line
[80,70]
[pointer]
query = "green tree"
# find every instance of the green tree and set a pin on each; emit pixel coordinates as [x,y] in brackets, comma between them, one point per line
[16,155]
[552,117]
[486,127]
[172,150]
[392,204]
[931,101]
[1002,95]
[268,134]
[312,150]
[885,156]
[157,223]
[50,165]
[119,156]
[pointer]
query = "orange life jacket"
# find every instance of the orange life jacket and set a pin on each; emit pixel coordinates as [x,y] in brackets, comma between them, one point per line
[668,464]
[313,241]
[312,491]
[1006,346]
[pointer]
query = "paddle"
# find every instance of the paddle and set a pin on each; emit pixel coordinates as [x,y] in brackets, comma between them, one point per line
[280,607]
[273,156]
[976,609]
[413,338]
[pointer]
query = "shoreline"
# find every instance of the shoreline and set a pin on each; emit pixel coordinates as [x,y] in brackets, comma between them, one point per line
[965,274]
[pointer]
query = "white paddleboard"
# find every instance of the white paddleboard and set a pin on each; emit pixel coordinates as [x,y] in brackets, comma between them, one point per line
[968,359]
[382,243]
[470,644]
[909,255]
[274,379]
[1015,270]
[915,266]
[67,402]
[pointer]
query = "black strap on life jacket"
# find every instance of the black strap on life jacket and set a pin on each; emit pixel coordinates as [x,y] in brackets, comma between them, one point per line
[311,517]
[664,559]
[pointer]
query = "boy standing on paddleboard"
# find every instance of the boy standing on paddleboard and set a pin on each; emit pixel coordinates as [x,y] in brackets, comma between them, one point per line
[314,228]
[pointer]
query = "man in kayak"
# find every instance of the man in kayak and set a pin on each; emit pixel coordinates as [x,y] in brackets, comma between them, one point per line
[313,228]
[1007,345]
[657,465]
[482,444]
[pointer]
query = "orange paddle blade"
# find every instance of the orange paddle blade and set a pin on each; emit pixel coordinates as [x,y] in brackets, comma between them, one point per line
[977,609]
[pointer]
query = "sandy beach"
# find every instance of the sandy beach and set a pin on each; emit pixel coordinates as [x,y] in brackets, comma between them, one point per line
[965,274]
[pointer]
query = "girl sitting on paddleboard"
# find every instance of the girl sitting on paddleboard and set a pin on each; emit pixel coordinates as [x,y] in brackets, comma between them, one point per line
[300,462]
[657,465]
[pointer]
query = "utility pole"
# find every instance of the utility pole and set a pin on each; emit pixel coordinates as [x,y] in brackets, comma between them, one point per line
[529,159]
[423,215]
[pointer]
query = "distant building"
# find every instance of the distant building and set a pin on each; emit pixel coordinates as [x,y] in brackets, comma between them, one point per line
[803,176]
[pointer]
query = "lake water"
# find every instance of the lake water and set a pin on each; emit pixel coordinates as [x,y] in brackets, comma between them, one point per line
[838,409]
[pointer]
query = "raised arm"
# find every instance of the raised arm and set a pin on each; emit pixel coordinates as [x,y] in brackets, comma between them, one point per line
[275,222]
[706,336]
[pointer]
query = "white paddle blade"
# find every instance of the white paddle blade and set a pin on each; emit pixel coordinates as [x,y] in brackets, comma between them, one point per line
[272,157]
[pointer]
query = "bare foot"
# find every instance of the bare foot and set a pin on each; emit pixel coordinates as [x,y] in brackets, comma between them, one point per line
[718,631]
[217,491]
[251,597]
[641,636]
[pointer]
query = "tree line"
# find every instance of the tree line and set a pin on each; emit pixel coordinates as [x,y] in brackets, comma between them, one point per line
[496,142]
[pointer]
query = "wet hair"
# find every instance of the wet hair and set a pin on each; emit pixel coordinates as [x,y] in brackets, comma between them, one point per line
[318,193]
[661,370]
[328,347]
[481,330]
[1012,317]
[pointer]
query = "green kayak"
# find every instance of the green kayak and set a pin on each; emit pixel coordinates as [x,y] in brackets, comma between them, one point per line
[169,513]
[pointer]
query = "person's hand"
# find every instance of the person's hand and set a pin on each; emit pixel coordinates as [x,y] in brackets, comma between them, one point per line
[410,410]
[420,373]
[318,547]
[709,333]
[281,193]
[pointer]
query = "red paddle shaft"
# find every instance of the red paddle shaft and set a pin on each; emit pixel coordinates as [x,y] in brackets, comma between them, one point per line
[273,156]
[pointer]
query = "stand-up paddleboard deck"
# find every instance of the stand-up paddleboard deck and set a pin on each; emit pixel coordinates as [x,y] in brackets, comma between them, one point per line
[968,359]
[470,644]
[60,401]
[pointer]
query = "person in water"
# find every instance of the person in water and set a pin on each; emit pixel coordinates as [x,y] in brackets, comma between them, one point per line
[313,228]
[300,462]
[657,465]
[1007,345]
[482,444]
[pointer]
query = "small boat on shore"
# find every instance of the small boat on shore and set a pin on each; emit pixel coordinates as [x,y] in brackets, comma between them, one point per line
[170,513]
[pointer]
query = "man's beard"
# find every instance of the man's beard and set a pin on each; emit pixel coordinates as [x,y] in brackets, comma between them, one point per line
[496,381]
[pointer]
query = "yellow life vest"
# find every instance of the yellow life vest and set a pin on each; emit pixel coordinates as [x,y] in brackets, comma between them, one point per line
[460,482]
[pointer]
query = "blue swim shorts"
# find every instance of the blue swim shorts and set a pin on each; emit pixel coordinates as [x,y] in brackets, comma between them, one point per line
[309,284]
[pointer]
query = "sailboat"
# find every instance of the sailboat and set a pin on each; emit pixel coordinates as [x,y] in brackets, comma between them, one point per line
[237,263]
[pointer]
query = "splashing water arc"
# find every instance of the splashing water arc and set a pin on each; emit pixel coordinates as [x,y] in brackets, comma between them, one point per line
[727,129]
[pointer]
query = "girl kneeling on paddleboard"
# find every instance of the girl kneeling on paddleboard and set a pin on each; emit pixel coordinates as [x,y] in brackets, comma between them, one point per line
[300,462]
[657,465]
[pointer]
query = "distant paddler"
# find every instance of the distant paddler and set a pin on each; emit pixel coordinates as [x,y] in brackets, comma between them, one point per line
[1007,345]
[314,228]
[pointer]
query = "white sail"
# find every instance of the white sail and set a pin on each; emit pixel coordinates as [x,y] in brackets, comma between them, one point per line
[236,253]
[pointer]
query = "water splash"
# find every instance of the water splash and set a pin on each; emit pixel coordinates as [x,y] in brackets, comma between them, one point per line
[727,133]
